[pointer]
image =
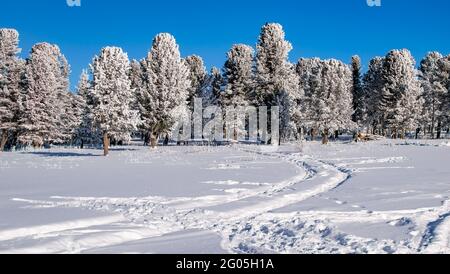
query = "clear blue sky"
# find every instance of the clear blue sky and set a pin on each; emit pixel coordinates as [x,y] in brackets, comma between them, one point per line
[322,28]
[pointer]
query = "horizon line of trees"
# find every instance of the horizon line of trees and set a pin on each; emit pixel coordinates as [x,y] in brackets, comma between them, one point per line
[117,97]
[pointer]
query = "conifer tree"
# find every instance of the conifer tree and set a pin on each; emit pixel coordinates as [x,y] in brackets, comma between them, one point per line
[164,97]
[112,96]
[11,70]
[43,101]
[434,77]
[357,90]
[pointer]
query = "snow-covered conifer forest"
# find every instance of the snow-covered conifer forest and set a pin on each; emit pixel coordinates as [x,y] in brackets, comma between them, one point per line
[117,99]
[353,161]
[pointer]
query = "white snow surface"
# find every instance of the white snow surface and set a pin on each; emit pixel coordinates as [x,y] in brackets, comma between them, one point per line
[378,197]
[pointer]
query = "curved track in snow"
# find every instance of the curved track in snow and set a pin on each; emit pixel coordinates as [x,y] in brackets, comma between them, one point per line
[245,220]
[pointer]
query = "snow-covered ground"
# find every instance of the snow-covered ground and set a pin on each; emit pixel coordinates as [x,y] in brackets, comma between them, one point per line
[378,197]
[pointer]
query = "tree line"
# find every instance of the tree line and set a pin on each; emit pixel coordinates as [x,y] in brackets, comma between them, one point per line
[116,97]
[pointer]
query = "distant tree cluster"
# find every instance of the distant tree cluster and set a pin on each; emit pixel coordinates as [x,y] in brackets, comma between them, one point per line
[117,97]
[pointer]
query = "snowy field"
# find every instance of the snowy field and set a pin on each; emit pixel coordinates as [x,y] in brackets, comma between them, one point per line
[380,197]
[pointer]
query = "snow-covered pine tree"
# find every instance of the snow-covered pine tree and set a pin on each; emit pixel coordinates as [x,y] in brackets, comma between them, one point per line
[197,77]
[328,103]
[372,86]
[238,76]
[68,117]
[338,98]
[290,105]
[310,75]
[74,115]
[11,69]
[138,85]
[6,115]
[214,88]
[46,81]
[400,80]
[136,75]
[238,85]
[357,90]
[276,83]
[272,65]
[112,96]
[85,132]
[409,108]
[167,82]
[446,107]
[433,76]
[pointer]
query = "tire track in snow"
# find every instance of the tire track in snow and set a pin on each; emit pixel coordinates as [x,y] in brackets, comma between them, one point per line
[436,237]
[186,211]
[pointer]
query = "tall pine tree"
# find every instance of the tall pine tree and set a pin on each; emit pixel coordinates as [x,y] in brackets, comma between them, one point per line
[43,102]
[164,97]
[400,93]
[357,90]
[276,83]
[433,76]
[238,76]
[197,77]
[112,96]
[11,70]
[372,87]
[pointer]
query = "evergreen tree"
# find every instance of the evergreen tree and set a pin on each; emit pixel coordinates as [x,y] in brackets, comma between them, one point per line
[400,80]
[214,88]
[238,76]
[67,113]
[197,78]
[335,100]
[310,75]
[327,104]
[446,107]
[85,132]
[46,82]
[276,83]
[167,82]
[11,69]
[272,66]
[357,90]
[372,86]
[137,79]
[409,108]
[433,76]
[112,96]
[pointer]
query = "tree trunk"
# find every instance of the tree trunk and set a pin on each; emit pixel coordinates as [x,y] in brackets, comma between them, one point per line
[325,137]
[146,138]
[313,134]
[439,130]
[82,144]
[432,125]
[105,144]
[153,140]
[3,140]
